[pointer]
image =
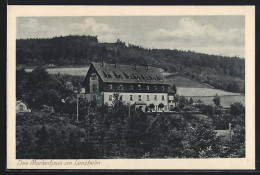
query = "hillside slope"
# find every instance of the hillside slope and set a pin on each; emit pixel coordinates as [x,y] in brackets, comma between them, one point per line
[82,50]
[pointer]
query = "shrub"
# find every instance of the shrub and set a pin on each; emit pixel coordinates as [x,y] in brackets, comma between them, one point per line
[176,109]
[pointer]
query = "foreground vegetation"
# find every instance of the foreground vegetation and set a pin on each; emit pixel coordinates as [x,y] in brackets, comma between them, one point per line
[227,73]
[51,130]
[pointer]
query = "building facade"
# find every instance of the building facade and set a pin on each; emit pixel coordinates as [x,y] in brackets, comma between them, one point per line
[22,107]
[135,85]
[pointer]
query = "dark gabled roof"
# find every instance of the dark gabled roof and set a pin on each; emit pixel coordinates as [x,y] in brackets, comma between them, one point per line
[128,74]
[171,90]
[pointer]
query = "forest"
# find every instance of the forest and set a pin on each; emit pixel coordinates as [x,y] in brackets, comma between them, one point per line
[221,72]
[51,130]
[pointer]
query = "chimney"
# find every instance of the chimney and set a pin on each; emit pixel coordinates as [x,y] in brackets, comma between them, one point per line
[103,63]
[135,66]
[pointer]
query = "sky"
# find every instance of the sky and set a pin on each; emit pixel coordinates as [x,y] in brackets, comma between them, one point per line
[217,35]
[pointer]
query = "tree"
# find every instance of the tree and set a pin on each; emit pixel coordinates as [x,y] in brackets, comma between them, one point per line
[151,106]
[191,101]
[208,110]
[216,100]
[158,137]
[43,142]
[182,102]
[200,139]
[161,106]
[237,109]
[146,109]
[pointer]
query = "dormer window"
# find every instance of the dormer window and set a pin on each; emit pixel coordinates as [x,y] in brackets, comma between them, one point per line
[127,76]
[110,87]
[139,87]
[153,77]
[136,77]
[131,87]
[93,76]
[159,77]
[117,75]
[162,88]
[147,88]
[121,87]
[107,75]
[155,87]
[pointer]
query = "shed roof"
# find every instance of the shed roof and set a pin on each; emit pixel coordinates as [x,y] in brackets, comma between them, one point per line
[129,74]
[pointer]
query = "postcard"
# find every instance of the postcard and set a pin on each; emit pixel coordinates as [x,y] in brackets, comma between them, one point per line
[131,87]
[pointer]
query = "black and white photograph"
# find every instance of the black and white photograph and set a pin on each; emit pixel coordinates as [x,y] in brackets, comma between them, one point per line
[130,87]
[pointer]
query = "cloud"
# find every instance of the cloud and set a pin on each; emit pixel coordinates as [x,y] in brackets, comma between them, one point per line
[30,24]
[191,32]
[32,28]
[89,26]
[40,28]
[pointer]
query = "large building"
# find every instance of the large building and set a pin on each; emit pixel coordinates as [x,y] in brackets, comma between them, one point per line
[135,85]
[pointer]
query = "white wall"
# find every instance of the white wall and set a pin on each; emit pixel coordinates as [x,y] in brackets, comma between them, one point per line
[126,98]
[25,109]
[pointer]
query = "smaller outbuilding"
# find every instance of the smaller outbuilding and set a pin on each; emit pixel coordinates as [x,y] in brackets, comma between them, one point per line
[21,107]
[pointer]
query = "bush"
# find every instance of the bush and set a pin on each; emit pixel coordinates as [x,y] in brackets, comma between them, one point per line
[177,109]
[237,109]
[208,110]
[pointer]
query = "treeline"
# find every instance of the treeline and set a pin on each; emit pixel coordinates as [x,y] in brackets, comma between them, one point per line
[43,91]
[82,50]
[116,135]
[52,131]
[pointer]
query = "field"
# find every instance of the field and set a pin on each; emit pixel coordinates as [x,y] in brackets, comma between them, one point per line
[181,81]
[77,71]
[198,91]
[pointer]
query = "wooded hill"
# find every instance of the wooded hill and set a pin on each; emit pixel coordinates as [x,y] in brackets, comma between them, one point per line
[227,73]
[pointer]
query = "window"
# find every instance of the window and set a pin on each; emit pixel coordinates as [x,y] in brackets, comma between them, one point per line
[121,87]
[155,87]
[147,88]
[155,97]
[162,97]
[131,87]
[21,107]
[94,88]
[139,87]
[110,86]
[162,88]
[94,98]
[139,97]
[110,97]
[131,97]
[147,98]
[93,76]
